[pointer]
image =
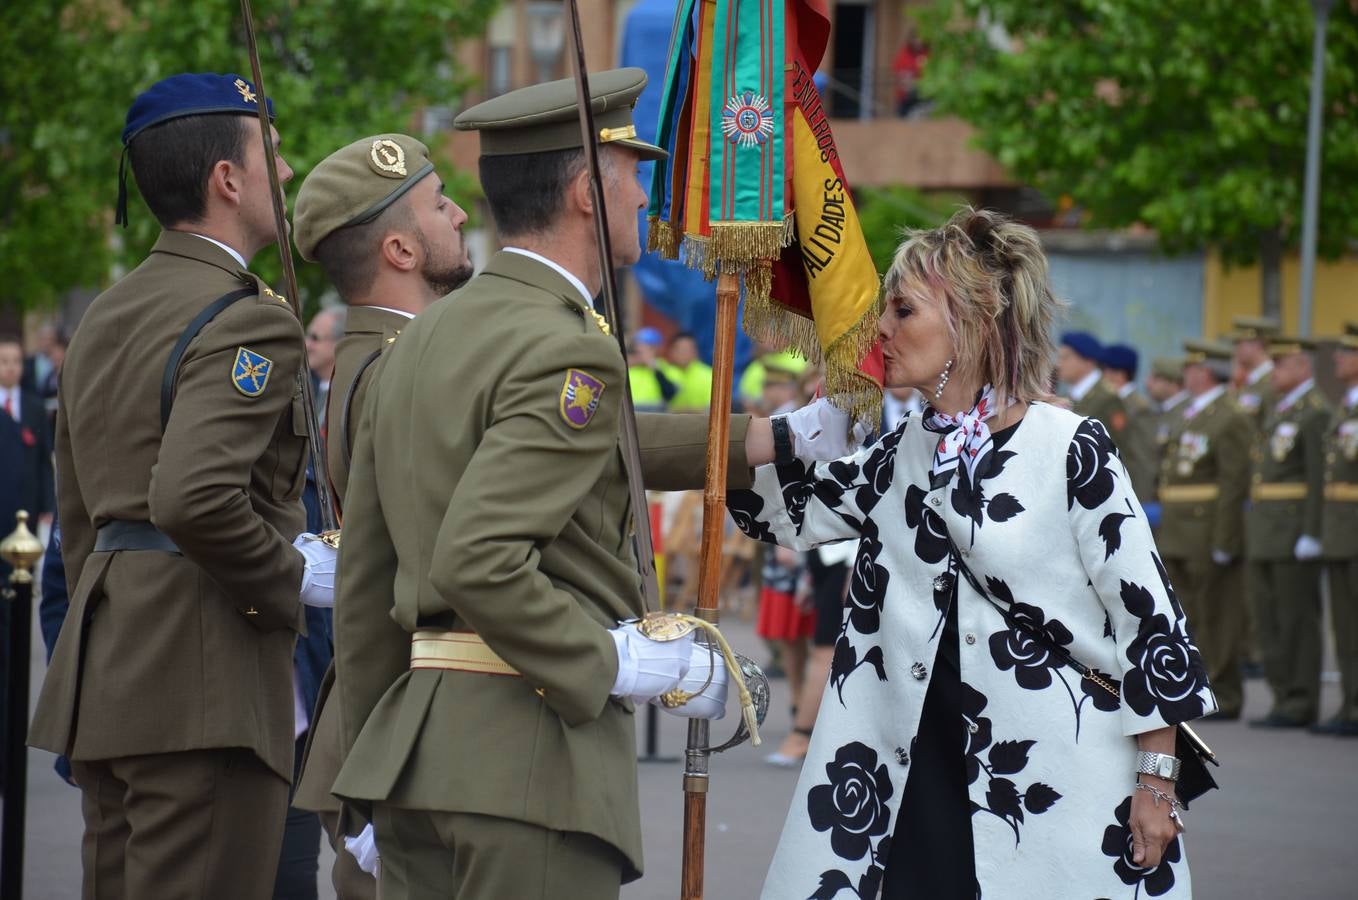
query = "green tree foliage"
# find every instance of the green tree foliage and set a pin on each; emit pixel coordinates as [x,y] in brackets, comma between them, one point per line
[1188,116]
[335,69]
[886,213]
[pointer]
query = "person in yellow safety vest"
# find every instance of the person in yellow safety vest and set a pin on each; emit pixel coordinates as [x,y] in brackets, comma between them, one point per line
[691,376]
[771,356]
[651,390]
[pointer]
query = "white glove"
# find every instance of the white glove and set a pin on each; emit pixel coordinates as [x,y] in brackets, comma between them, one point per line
[1307,548]
[318,578]
[711,703]
[364,849]
[1221,557]
[820,432]
[648,668]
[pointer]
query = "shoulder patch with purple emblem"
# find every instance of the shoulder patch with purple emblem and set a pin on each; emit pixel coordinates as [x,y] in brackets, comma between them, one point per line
[580,397]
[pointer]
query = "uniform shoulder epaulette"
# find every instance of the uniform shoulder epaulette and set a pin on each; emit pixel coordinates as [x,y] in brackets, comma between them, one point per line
[266,294]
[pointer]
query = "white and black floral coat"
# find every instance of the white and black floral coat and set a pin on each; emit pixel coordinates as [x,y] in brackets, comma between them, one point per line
[1052,526]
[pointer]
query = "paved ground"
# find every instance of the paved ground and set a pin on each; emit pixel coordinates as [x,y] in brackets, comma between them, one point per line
[1283,825]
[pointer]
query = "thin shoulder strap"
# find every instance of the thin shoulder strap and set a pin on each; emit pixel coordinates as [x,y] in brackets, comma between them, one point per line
[346,448]
[177,354]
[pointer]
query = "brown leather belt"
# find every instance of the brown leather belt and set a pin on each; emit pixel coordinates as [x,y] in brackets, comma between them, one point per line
[1280,490]
[1342,492]
[461,651]
[1189,493]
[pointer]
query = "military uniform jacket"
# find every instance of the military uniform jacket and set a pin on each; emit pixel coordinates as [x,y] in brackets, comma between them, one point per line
[1339,528]
[488,493]
[1103,403]
[1256,400]
[1203,480]
[164,652]
[1287,484]
[1138,447]
[367,331]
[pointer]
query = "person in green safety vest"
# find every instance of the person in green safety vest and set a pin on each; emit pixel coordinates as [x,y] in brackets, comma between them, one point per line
[770,356]
[651,390]
[691,376]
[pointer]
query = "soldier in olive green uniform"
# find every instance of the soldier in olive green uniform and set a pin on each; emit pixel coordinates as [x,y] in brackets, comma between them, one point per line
[374,215]
[1202,495]
[1250,335]
[1138,449]
[1165,385]
[181,458]
[1339,533]
[485,696]
[1283,535]
[1077,366]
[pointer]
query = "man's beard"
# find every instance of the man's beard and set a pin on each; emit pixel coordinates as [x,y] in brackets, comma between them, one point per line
[442,278]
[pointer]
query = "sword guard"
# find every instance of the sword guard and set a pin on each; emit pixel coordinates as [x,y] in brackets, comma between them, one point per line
[757,683]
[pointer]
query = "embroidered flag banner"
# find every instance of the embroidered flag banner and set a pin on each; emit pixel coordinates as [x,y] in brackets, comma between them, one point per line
[754,184]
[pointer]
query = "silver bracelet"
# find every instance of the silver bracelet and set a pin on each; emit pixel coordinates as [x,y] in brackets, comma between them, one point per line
[1175,807]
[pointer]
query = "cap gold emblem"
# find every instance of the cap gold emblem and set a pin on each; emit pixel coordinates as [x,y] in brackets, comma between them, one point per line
[388,158]
[246,94]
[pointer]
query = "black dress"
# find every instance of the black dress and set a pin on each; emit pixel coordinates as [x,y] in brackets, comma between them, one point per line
[932,856]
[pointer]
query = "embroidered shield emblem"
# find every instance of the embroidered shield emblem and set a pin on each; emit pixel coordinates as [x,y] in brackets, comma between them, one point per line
[250,372]
[580,397]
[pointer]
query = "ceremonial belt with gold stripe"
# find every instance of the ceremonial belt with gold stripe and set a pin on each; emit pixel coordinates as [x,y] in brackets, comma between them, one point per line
[1189,493]
[461,651]
[1281,490]
[1342,492]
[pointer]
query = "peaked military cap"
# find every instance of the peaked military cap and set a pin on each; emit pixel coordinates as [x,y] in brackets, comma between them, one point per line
[1349,339]
[1200,351]
[190,94]
[1286,345]
[1168,367]
[546,117]
[1254,328]
[354,185]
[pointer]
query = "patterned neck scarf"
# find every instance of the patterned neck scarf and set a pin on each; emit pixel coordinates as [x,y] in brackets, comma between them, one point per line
[965,436]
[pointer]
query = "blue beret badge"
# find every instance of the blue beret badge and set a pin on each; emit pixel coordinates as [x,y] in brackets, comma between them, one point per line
[250,373]
[580,398]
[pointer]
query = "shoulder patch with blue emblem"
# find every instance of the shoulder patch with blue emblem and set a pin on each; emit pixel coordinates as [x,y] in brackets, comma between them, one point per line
[250,372]
[579,398]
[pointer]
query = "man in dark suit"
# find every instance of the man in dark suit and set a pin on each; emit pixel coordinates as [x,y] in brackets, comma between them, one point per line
[26,411]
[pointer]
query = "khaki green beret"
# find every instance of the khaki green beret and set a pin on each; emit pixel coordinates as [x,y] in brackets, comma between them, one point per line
[546,117]
[354,185]
[1286,345]
[1198,351]
[1168,367]
[1253,328]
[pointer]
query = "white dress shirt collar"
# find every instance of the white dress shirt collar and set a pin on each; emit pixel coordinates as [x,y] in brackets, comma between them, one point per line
[1351,397]
[579,285]
[1127,390]
[236,256]
[399,312]
[1085,385]
[1295,394]
[11,397]
[1174,401]
[1200,402]
[1259,372]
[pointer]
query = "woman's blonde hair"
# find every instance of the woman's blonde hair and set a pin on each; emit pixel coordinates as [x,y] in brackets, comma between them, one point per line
[998,298]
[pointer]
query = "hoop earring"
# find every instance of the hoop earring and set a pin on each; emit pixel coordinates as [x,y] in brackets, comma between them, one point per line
[943,380]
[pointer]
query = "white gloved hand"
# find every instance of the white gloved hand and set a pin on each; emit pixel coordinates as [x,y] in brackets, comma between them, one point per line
[648,668]
[1221,557]
[318,578]
[1307,548]
[820,432]
[364,849]
[711,703]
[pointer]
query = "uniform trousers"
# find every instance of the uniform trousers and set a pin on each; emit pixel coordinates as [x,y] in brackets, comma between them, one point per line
[191,825]
[1213,599]
[1344,610]
[430,855]
[1286,600]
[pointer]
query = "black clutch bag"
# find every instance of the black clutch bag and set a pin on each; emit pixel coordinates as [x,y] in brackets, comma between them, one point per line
[1194,755]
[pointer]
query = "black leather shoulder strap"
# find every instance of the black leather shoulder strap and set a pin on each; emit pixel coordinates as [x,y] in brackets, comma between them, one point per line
[346,448]
[177,354]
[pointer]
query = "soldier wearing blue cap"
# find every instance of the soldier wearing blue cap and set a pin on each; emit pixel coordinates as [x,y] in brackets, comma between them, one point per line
[181,458]
[1119,365]
[1077,366]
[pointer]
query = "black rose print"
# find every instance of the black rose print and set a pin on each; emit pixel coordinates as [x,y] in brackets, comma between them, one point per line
[867,586]
[1003,799]
[1117,843]
[852,804]
[1167,673]
[931,535]
[1110,530]
[869,883]
[745,507]
[878,470]
[1089,477]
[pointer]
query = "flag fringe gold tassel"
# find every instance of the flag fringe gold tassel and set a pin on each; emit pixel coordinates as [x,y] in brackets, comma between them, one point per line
[662,237]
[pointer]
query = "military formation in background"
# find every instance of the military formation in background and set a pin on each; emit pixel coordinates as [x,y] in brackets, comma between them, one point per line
[1251,479]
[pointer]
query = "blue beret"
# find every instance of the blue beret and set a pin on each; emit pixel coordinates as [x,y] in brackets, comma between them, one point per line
[190,94]
[1083,343]
[650,335]
[1120,357]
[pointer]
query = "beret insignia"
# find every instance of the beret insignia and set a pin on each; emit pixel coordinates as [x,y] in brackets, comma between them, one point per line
[388,158]
[579,398]
[250,372]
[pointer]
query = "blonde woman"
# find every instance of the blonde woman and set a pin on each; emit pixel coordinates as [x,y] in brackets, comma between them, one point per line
[953,756]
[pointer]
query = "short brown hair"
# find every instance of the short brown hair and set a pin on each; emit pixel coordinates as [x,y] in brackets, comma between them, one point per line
[349,254]
[997,294]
